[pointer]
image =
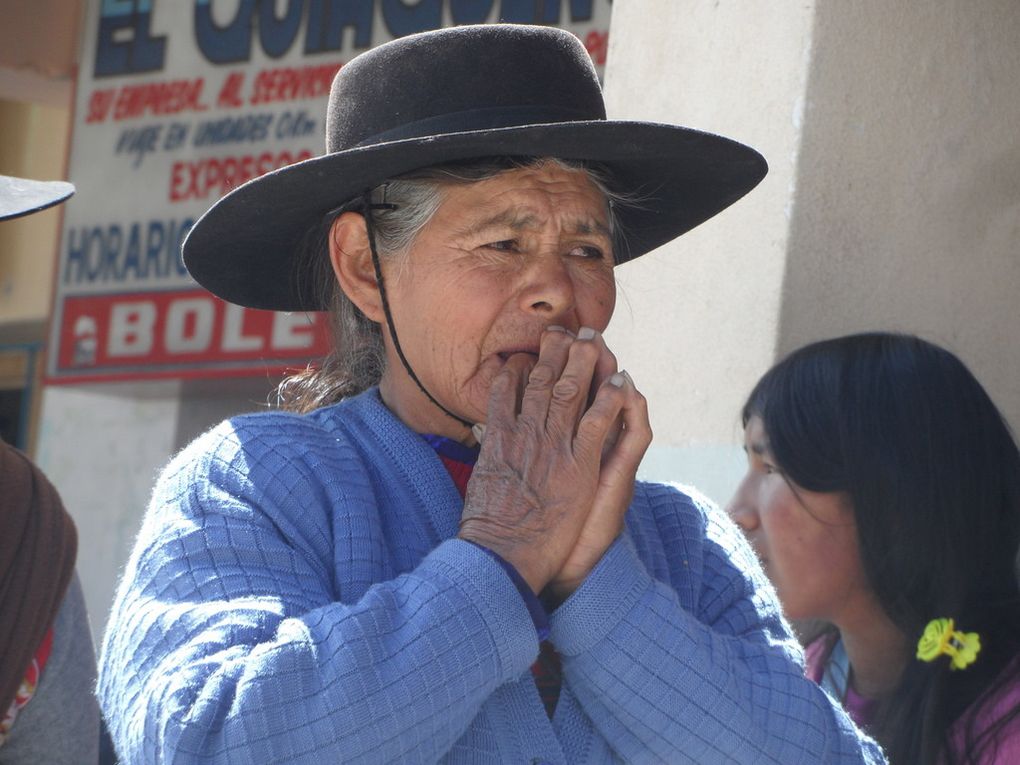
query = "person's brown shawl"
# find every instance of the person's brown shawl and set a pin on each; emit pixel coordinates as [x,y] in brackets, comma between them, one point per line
[38,543]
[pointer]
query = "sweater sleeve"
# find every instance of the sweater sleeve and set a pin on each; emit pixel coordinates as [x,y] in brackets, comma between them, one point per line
[695,664]
[229,641]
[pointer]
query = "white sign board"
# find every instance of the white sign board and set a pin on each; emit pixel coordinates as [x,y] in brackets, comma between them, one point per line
[178,102]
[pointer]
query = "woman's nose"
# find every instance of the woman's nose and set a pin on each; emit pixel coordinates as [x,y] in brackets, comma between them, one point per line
[549,287]
[742,510]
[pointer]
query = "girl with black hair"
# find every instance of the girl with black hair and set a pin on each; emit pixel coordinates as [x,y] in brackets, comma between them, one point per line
[883,498]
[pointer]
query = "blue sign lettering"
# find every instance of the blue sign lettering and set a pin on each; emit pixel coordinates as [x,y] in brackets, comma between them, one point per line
[277,34]
[327,20]
[227,44]
[542,11]
[403,20]
[470,11]
[151,251]
[124,44]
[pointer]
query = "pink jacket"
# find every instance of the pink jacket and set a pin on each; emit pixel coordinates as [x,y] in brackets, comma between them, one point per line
[1005,751]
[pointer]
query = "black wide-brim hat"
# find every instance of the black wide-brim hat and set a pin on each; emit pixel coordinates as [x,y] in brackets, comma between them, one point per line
[23,196]
[450,95]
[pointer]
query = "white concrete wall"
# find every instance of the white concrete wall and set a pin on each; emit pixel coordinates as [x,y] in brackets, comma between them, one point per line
[893,199]
[907,212]
[697,320]
[102,447]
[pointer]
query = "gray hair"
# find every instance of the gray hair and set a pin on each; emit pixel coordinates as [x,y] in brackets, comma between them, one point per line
[357,360]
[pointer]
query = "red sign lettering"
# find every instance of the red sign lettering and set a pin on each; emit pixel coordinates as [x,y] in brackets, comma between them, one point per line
[180,334]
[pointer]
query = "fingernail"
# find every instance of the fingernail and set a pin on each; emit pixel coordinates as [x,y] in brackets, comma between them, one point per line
[626,374]
[478,431]
[586,333]
[556,328]
[618,379]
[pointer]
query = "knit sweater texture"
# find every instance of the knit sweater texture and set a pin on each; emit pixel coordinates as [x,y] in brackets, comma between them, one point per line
[297,594]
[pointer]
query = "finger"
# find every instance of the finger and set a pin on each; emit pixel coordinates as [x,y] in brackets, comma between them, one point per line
[612,437]
[605,367]
[570,393]
[633,439]
[506,391]
[554,349]
[600,419]
[619,469]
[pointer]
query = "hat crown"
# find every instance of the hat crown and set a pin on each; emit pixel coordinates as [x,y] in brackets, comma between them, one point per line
[459,79]
[452,95]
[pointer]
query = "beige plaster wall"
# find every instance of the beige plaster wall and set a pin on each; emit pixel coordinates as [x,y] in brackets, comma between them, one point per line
[907,211]
[102,447]
[697,321]
[893,200]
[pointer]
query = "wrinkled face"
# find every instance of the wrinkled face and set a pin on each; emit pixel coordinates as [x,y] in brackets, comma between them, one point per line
[500,260]
[807,541]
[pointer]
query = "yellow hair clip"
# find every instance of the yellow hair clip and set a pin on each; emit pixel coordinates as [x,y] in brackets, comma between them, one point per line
[940,638]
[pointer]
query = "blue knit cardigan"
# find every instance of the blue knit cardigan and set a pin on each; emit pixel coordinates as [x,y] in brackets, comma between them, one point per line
[297,594]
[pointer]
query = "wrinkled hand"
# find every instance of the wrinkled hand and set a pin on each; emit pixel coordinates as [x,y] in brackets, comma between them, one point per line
[555,474]
[621,457]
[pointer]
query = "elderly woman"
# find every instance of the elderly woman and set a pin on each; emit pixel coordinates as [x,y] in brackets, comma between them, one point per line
[453,504]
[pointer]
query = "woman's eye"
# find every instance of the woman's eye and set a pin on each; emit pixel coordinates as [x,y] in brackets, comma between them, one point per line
[589,251]
[504,245]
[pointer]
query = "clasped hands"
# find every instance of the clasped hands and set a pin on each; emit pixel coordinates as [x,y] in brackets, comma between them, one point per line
[563,440]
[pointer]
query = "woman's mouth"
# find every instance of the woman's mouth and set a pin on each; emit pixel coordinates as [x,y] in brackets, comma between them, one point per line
[505,355]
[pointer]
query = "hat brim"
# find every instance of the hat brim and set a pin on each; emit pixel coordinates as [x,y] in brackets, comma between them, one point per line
[23,196]
[244,248]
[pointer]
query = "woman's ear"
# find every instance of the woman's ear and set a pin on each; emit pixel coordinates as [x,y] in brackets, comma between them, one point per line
[351,256]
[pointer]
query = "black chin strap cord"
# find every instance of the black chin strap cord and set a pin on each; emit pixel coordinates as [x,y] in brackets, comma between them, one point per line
[370,229]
